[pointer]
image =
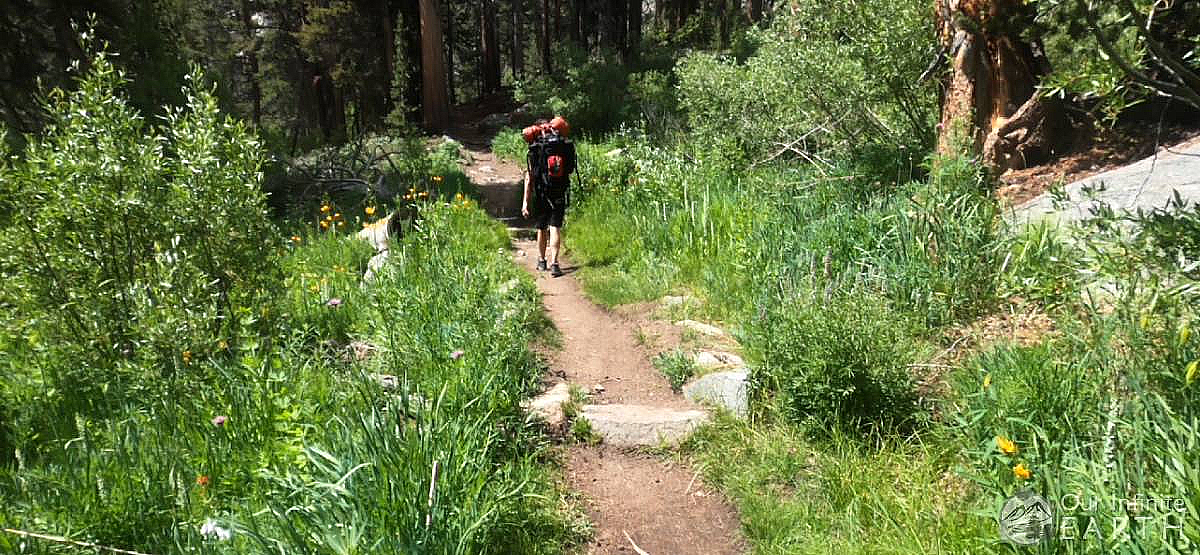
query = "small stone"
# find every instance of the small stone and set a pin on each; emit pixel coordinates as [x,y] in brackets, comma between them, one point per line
[598,388]
[386,381]
[508,286]
[642,426]
[548,405]
[702,328]
[362,350]
[677,300]
[498,119]
[375,265]
[717,359]
[377,234]
[729,390]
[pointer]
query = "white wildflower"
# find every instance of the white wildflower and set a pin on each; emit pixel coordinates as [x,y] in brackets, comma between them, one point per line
[211,530]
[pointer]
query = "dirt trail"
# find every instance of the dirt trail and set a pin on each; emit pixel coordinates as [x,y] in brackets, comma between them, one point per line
[633,498]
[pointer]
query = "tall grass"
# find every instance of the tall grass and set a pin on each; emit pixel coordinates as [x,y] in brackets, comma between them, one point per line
[306,415]
[840,286]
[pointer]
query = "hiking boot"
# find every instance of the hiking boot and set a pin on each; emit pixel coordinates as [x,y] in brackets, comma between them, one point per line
[555,270]
[541,264]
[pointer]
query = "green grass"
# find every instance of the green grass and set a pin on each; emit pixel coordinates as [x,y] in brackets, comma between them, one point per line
[838,495]
[840,288]
[313,455]
[677,366]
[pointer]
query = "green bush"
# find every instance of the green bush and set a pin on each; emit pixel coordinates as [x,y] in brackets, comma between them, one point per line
[508,144]
[135,249]
[828,79]
[840,360]
[677,366]
[589,91]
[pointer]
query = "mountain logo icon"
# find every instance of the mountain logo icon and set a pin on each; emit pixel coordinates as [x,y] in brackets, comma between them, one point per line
[1026,519]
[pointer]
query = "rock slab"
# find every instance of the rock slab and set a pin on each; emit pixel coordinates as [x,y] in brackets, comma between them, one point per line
[548,405]
[701,327]
[717,359]
[1147,184]
[641,425]
[724,389]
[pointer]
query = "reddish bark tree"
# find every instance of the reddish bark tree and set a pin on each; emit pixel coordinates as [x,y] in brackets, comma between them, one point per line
[490,80]
[435,106]
[989,104]
[518,27]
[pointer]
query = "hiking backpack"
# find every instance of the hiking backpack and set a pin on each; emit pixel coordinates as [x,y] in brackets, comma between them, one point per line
[551,161]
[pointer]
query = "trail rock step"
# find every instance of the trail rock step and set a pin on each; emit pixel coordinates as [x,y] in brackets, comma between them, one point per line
[701,327]
[724,389]
[548,406]
[717,359]
[641,425]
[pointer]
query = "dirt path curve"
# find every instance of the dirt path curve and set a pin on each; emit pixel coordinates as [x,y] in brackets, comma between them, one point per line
[633,498]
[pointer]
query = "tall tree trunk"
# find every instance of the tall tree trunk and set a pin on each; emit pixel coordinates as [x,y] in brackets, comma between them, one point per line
[450,75]
[754,10]
[518,29]
[576,23]
[634,35]
[545,37]
[388,18]
[488,46]
[435,106]
[251,50]
[989,104]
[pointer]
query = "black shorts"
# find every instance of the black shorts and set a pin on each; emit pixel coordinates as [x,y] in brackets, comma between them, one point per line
[548,211]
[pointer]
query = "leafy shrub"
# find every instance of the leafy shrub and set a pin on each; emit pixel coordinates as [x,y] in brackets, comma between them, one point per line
[136,250]
[841,360]
[1039,266]
[677,366]
[509,145]
[827,79]
[589,92]
[942,249]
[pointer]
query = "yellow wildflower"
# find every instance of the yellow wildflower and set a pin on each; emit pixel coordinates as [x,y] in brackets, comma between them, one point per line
[437,178]
[1006,445]
[1190,375]
[324,224]
[370,210]
[337,215]
[325,208]
[458,196]
[987,381]
[1021,472]
[187,357]
[295,238]
[314,288]
[1184,333]
[222,345]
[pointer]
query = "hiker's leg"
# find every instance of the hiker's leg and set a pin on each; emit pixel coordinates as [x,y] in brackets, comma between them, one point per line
[555,240]
[542,244]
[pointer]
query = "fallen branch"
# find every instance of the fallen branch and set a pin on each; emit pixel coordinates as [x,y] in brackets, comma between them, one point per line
[432,489]
[639,550]
[689,486]
[76,543]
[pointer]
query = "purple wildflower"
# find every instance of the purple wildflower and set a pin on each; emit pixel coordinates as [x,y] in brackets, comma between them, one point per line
[457,355]
[333,303]
[219,421]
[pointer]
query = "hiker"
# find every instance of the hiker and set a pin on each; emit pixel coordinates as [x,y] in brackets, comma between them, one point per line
[551,161]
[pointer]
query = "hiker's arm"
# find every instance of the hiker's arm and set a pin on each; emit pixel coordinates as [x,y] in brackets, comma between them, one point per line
[525,198]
